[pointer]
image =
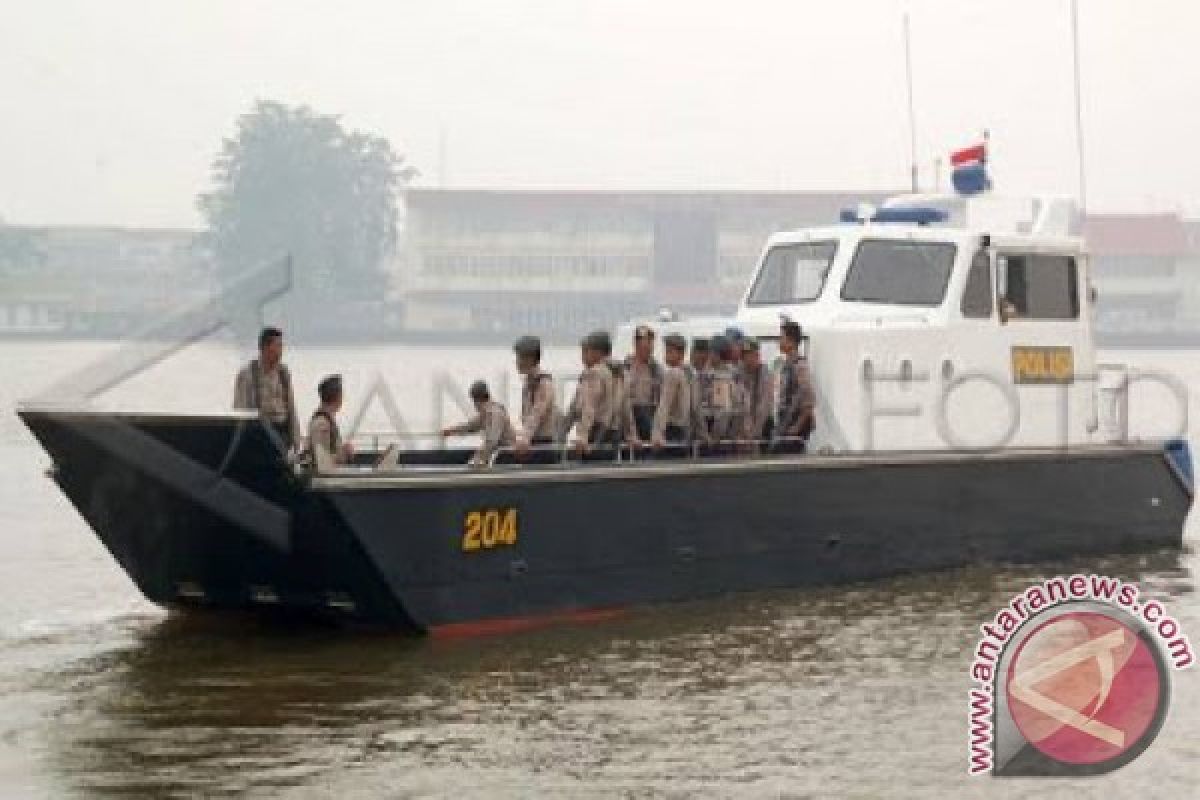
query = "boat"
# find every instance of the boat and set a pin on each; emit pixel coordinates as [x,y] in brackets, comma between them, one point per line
[963,419]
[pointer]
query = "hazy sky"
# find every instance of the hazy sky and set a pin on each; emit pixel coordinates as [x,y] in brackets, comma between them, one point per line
[113,110]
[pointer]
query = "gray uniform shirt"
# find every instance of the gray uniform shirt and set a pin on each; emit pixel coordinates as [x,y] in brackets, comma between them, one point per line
[492,420]
[593,402]
[538,413]
[759,388]
[675,402]
[321,432]
[269,397]
[796,396]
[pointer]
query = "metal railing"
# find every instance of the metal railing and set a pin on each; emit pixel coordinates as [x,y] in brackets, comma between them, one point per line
[378,438]
[566,453]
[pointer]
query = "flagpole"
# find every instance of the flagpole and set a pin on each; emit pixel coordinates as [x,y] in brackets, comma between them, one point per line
[912,114]
[1078,108]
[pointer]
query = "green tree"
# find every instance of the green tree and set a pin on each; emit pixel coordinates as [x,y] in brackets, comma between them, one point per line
[295,181]
[20,250]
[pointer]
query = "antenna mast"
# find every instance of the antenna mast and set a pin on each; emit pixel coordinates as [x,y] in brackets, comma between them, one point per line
[1078,107]
[912,114]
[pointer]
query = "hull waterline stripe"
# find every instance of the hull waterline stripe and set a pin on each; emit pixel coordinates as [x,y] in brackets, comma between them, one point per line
[505,625]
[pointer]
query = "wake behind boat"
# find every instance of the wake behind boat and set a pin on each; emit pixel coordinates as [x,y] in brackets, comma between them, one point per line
[962,418]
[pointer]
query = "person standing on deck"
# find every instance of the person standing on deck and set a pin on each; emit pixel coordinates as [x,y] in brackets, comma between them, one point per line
[643,387]
[323,428]
[539,414]
[591,411]
[736,341]
[618,425]
[795,417]
[265,385]
[491,419]
[758,387]
[699,377]
[673,417]
[724,400]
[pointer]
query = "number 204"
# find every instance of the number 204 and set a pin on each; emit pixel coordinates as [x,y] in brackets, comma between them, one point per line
[483,530]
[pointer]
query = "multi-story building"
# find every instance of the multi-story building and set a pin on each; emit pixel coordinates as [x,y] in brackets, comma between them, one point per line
[561,262]
[96,280]
[1147,273]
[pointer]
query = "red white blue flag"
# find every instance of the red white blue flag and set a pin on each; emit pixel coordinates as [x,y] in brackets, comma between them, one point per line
[970,174]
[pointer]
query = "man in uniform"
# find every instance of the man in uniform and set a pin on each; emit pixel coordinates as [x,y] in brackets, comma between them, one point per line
[643,387]
[619,425]
[591,411]
[323,428]
[491,419]
[699,377]
[539,414]
[724,402]
[797,400]
[758,387]
[265,385]
[736,341]
[673,417]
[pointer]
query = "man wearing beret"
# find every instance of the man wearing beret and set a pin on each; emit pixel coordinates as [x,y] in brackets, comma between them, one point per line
[673,417]
[323,428]
[795,417]
[491,419]
[758,387]
[592,409]
[539,414]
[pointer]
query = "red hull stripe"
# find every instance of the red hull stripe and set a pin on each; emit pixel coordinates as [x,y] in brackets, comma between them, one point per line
[492,627]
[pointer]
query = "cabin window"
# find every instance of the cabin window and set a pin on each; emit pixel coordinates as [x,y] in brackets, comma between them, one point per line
[899,272]
[1039,286]
[977,294]
[792,273]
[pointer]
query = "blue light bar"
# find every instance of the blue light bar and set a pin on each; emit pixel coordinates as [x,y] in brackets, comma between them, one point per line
[912,215]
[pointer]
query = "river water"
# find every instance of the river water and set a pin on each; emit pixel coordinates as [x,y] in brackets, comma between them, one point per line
[855,691]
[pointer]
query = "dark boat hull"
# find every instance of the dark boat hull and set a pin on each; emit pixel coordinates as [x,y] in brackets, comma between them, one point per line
[201,512]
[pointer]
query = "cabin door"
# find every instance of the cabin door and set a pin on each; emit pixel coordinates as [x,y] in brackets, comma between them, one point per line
[1043,329]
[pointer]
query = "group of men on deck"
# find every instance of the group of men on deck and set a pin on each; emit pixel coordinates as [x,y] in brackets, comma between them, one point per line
[722,399]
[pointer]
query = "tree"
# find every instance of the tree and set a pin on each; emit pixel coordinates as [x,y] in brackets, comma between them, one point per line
[21,250]
[295,181]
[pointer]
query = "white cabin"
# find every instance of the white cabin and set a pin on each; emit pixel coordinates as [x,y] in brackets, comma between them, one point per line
[971,331]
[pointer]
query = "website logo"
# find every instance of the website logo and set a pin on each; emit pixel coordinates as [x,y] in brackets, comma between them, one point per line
[1072,678]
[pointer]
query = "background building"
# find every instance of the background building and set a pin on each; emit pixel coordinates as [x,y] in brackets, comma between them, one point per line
[561,262]
[96,280]
[484,265]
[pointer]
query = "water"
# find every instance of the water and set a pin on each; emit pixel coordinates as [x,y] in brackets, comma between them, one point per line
[855,691]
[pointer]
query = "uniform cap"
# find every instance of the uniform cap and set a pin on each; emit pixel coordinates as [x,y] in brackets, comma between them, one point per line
[734,334]
[750,344]
[478,391]
[528,346]
[598,340]
[329,387]
[791,329]
[675,341]
[700,345]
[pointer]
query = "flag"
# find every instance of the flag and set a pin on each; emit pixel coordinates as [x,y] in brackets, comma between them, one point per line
[976,154]
[970,175]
